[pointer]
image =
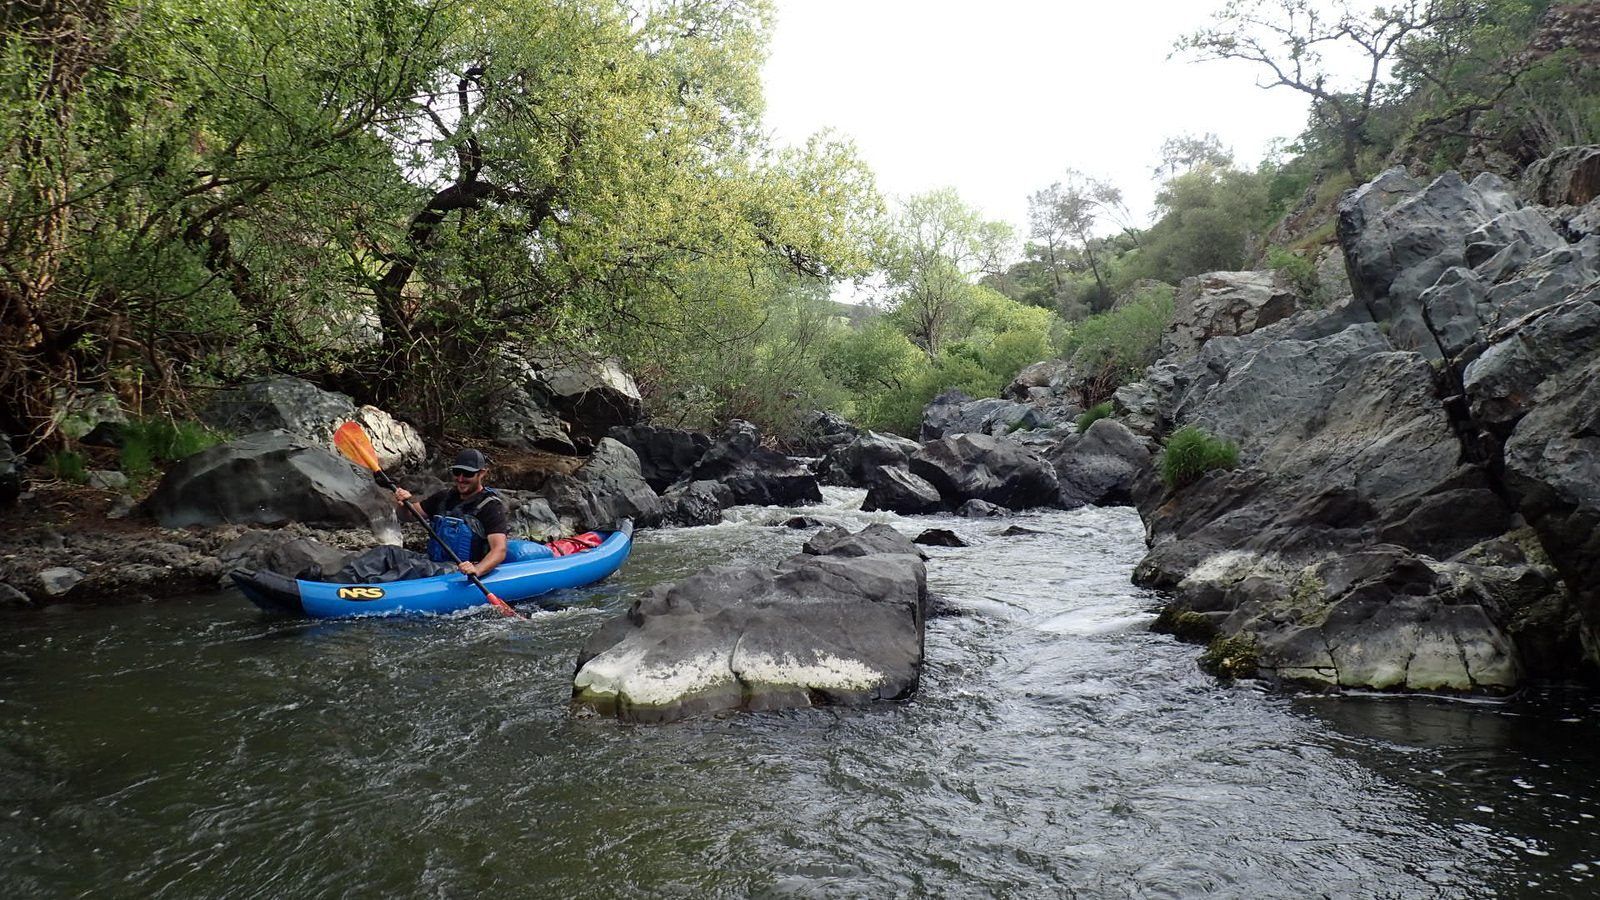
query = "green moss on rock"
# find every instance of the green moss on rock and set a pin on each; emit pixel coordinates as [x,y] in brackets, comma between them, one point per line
[1231,657]
[1185,625]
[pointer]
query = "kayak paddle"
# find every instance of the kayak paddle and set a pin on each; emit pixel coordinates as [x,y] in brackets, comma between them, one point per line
[357,447]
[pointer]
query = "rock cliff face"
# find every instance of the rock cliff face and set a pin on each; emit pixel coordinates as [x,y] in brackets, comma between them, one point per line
[1418,500]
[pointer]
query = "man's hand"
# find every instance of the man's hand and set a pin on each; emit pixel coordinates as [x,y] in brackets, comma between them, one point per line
[468,568]
[401,495]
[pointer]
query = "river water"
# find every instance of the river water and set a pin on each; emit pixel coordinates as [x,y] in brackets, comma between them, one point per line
[197,748]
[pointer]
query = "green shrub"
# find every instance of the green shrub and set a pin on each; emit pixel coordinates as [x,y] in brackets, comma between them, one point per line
[146,442]
[67,465]
[1094,414]
[1296,270]
[1119,344]
[1191,452]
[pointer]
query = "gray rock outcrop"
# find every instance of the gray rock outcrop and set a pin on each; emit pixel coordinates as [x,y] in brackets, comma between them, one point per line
[271,478]
[953,413]
[521,412]
[1100,466]
[897,490]
[607,488]
[301,408]
[855,464]
[1224,303]
[1385,442]
[753,474]
[593,395]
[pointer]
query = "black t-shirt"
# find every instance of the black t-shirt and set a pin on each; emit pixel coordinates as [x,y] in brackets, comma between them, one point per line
[491,513]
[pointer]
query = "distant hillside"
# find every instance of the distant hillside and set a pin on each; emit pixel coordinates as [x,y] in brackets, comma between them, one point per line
[855,315]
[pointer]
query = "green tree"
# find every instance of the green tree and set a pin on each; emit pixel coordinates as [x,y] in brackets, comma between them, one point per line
[932,252]
[370,192]
[1063,219]
[1208,216]
[1289,40]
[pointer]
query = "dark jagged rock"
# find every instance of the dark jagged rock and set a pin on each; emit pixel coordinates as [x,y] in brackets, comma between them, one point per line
[981,509]
[897,490]
[980,467]
[606,489]
[696,503]
[665,454]
[309,412]
[872,539]
[754,474]
[823,433]
[522,413]
[284,552]
[271,478]
[592,395]
[1379,461]
[1568,177]
[1099,467]
[953,413]
[843,628]
[1400,236]
[940,537]
[855,464]
[10,473]
[1224,303]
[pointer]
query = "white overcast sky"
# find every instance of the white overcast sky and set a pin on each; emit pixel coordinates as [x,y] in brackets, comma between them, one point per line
[997,98]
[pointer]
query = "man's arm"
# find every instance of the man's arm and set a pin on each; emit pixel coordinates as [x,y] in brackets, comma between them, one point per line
[495,556]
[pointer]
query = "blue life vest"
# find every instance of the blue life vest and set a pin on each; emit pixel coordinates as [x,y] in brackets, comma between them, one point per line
[461,531]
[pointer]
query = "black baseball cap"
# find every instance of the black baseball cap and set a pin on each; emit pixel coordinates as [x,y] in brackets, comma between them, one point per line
[469,461]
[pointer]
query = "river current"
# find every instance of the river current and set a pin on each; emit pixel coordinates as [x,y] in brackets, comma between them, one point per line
[199,748]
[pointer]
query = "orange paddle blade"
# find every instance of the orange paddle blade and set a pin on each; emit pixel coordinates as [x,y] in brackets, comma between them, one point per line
[356,446]
[504,607]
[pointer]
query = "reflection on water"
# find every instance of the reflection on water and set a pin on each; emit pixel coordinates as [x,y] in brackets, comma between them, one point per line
[197,748]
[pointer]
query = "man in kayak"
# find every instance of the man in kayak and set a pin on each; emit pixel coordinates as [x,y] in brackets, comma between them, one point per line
[468,517]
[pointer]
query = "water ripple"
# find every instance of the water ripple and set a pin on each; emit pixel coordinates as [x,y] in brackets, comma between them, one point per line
[1056,747]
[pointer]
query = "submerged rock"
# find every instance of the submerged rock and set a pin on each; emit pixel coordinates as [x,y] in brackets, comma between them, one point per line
[845,627]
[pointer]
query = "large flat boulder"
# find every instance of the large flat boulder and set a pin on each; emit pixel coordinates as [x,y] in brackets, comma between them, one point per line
[841,628]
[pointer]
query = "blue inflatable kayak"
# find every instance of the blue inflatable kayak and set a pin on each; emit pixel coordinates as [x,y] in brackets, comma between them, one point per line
[529,570]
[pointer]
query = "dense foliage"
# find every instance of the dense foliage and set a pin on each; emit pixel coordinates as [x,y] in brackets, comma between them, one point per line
[391,196]
[381,194]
